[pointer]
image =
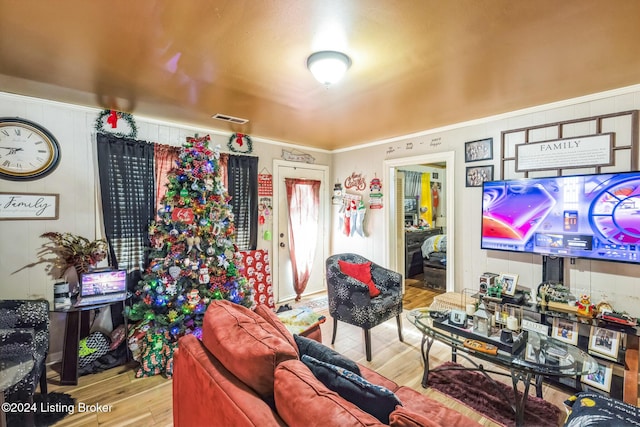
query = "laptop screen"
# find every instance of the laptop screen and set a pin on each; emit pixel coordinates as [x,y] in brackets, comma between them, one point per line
[104,282]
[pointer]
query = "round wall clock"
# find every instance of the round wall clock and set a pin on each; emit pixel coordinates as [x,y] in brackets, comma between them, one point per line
[27,150]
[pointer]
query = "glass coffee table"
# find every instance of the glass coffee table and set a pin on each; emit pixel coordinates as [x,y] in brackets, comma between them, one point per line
[541,356]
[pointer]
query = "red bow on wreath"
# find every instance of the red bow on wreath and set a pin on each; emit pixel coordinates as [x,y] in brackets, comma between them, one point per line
[113,119]
[239,139]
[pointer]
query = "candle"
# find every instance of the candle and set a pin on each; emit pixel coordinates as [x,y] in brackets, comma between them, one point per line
[471,308]
[512,323]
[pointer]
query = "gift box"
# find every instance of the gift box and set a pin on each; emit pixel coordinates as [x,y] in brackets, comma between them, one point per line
[257,270]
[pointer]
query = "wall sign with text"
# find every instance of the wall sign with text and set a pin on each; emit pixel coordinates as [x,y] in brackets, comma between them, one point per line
[577,152]
[14,206]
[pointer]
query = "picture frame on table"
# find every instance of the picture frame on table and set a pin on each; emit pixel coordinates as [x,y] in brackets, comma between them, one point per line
[481,149]
[604,343]
[565,330]
[601,379]
[509,283]
[476,175]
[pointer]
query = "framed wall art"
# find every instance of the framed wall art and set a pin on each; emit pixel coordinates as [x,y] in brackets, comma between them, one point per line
[29,206]
[565,330]
[601,379]
[475,151]
[604,343]
[476,175]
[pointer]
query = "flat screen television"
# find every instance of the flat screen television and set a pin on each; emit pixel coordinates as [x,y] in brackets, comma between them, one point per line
[583,216]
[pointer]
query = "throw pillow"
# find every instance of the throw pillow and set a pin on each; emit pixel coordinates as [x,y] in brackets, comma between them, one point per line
[360,272]
[371,398]
[590,408]
[325,354]
[248,346]
[302,400]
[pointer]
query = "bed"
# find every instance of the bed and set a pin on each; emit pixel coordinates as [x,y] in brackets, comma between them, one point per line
[434,264]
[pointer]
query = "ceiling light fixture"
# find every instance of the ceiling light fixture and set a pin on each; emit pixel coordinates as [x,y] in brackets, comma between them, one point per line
[328,66]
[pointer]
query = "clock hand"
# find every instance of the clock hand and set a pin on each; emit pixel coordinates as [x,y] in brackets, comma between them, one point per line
[12,150]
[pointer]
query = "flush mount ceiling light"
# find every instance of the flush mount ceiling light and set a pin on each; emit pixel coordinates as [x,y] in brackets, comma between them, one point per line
[328,66]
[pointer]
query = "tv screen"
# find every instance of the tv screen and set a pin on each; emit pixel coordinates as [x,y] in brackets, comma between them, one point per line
[586,216]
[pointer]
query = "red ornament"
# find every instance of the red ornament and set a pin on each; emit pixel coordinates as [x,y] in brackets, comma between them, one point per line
[183,214]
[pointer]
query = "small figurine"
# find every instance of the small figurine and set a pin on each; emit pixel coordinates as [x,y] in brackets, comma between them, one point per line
[585,308]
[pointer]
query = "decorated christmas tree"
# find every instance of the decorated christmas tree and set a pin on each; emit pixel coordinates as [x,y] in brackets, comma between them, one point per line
[192,251]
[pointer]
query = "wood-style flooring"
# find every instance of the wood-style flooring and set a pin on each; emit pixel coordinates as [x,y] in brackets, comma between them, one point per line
[148,401]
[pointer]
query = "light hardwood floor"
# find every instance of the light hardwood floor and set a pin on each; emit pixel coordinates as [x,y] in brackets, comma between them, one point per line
[148,401]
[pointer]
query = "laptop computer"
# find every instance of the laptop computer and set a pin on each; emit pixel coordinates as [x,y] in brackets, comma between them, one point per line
[102,287]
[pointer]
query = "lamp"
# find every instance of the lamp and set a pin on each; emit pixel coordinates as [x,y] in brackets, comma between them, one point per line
[328,66]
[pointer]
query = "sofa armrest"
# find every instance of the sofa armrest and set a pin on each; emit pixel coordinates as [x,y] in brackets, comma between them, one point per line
[206,393]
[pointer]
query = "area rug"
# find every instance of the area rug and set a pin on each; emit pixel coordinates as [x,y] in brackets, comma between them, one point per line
[318,303]
[475,390]
[49,409]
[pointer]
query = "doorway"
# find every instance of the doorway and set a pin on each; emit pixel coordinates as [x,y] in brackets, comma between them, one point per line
[394,216]
[282,272]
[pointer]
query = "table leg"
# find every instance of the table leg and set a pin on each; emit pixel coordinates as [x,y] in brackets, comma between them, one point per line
[425,358]
[520,401]
[69,372]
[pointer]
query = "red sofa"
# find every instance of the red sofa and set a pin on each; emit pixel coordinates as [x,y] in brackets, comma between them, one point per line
[246,371]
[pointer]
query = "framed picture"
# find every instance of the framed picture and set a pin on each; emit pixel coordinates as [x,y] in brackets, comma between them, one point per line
[565,330]
[601,379]
[476,175]
[482,149]
[509,282]
[604,343]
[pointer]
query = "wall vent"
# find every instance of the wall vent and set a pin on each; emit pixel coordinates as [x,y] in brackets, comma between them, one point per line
[231,119]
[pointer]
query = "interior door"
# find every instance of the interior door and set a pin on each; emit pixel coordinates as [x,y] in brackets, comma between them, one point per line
[282,270]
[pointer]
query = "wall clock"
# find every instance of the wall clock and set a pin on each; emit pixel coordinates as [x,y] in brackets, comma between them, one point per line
[27,150]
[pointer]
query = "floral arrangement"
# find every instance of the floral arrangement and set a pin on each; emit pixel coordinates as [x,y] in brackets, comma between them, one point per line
[76,251]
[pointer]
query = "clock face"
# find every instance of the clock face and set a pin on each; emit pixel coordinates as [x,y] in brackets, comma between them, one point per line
[27,150]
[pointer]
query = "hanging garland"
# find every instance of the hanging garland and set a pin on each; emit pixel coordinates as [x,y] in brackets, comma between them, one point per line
[240,143]
[113,121]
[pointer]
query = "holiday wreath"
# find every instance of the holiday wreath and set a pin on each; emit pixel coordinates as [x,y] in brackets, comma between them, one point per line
[240,143]
[113,121]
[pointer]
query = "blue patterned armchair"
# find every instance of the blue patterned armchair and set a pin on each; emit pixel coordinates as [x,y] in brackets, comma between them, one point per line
[24,335]
[350,302]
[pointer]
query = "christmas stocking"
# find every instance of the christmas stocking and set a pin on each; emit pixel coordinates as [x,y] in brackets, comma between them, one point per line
[347,220]
[341,218]
[359,218]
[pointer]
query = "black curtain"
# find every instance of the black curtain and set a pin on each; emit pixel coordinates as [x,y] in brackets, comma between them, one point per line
[126,170]
[243,188]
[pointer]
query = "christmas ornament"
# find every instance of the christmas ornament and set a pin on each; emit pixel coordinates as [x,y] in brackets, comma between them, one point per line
[174,271]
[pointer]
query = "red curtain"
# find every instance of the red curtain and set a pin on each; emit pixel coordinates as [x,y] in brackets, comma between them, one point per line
[165,157]
[303,200]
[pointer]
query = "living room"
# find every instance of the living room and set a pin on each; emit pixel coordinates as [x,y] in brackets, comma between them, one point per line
[75,181]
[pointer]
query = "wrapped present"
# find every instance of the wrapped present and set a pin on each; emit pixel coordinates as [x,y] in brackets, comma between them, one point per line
[257,270]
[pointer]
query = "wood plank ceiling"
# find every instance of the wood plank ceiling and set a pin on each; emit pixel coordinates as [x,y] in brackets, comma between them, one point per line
[417,64]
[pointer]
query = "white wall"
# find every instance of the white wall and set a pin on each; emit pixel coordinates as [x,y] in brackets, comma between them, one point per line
[620,282]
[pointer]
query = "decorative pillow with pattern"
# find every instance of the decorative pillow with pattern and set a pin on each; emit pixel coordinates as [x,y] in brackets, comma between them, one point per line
[371,398]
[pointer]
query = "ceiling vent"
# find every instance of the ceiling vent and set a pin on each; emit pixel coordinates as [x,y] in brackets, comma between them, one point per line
[231,119]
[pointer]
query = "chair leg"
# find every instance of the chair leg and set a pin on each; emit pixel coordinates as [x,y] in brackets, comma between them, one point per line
[335,329]
[43,379]
[399,320]
[367,343]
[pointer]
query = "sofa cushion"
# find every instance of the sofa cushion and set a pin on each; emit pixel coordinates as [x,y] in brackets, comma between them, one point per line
[248,346]
[323,353]
[302,400]
[403,417]
[371,398]
[419,406]
[360,272]
[270,316]
[589,407]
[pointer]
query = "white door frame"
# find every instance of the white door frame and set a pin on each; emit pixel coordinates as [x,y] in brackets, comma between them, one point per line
[324,228]
[390,223]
